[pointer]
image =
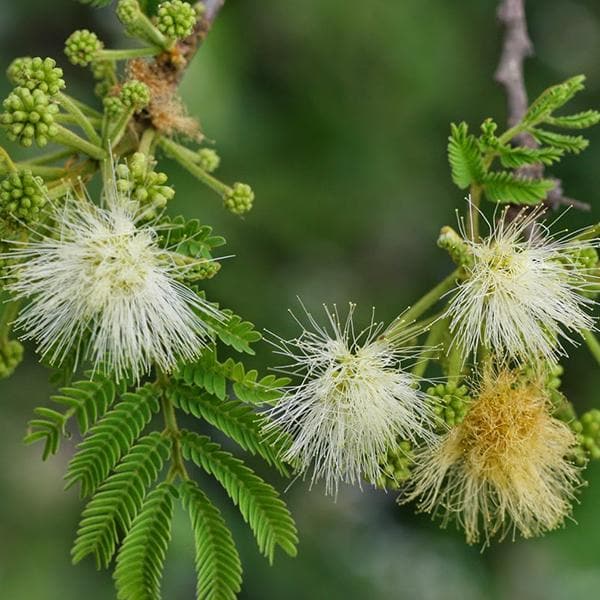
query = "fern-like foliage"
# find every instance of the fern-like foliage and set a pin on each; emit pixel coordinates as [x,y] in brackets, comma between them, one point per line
[86,400]
[472,157]
[111,438]
[236,420]
[208,373]
[218,566]
[111,511]
[141,558]
[258,502]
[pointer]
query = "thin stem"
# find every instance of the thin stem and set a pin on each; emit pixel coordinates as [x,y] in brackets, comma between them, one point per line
[68,138]
[178,152]
[127,54]
[81,120]
[8,160]
[473,216]
[147,141]
[51,157]
[592,343]
[85,108]
[9,314]
[426,302]
[43,170]
[431,347]
[116,133]
[172,430]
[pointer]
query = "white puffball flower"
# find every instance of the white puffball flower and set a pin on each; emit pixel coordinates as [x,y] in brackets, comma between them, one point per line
[522,292]
[98,285]
[353,403]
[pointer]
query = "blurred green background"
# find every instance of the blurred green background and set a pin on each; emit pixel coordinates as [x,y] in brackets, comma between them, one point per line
[337,113]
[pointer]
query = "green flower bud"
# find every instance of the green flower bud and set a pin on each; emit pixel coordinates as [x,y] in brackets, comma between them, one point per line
[583,258]
[240,199]
[176,19]
[209,159]
[22,197]
[587,429]
[128,11]
[456,247]
[395,466]
[451,403]
[137,180]
[29,117]
[135,94]
[37,74]
[11,356]
[113,106]
[82,46]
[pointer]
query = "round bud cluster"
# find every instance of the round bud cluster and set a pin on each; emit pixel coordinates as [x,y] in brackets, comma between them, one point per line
[135,95]
[102,71]
[128,11]
[209,160]
[82,46]
[11,355]
[239,199]
[37,74]
[176,19]
[584,258]
[395,466]
[22,197]
[451,403]
[29,117]
[199,270]
[113,106]
[137,179]
[453,243]
[587,429]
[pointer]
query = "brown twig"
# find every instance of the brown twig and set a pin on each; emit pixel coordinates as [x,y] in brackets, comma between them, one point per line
[516,48]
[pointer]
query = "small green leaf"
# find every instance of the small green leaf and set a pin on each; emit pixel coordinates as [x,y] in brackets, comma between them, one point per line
[514,157]
[464,156]
[580,120]
[505,188]
[569,143]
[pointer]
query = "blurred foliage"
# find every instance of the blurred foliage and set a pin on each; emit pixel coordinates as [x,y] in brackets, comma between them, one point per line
[338,114]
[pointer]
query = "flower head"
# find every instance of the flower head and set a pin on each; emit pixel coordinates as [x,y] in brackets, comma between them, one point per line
[352,404]
[504,468]
[522,293]
[100,286]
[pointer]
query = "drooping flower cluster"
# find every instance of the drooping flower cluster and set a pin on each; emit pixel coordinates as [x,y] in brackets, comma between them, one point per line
[504,468]
[98,284]
[522,292]
[355,399]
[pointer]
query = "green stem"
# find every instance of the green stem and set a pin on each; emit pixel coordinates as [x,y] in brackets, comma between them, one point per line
[68,138]
[116,133]
[83,107]
[427,301]
[127,54]
[81,120]
[51,157]
[588,234]
[180,154]
[60,189]
[43,171]
[431,347]
[145,28]
[172,430]
[147,141]
[473,216]
[592,343]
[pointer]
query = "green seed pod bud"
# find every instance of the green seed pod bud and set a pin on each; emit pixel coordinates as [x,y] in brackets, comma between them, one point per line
[451,403]
[37,74]
[29,117]
[240,199]
[135,94]
[128,11]
[11,356]
[587,429]
[209,159]
[22,197]
[82,46]
[176,19]
[395,466]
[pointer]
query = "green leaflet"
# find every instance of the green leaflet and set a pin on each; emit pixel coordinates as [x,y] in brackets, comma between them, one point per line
[110,513]
[208,373]
[258,502]
[464,156]
[218,566]
[236,420]
[141,558]
[86,400]
[110,439]
[507,188]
